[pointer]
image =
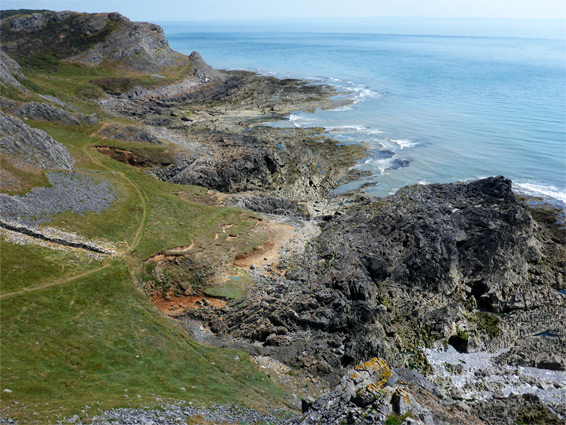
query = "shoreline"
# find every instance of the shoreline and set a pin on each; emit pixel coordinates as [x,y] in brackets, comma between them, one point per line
[238,237]
[552,186]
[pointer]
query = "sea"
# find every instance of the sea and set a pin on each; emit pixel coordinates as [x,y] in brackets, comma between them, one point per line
[436,101]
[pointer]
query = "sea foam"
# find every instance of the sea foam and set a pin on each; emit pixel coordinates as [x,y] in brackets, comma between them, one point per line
[544,191]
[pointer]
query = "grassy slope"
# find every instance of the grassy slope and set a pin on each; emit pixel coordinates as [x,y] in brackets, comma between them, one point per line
[90,340]
[77,343]
[40,265]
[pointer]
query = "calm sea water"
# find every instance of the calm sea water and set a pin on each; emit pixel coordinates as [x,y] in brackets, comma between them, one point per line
[434,108]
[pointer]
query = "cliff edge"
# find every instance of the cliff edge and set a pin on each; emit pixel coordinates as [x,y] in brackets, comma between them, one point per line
[44,38]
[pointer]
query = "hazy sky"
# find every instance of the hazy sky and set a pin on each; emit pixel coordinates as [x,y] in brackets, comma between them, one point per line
[186,10]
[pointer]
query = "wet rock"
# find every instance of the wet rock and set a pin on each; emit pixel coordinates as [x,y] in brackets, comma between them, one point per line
[399,163]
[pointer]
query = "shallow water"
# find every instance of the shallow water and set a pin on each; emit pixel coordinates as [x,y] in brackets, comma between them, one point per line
[451,108]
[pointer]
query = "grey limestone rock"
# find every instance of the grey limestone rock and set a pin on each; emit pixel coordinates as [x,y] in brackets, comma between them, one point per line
[98,37]
[69,192]
[45,112]
[407,271]
[361,397]
[9,70]
[138,46]
[31,145]
[129,133]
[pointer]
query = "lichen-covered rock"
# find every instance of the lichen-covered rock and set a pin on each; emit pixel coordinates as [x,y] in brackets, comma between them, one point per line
[32,145]
[364,396]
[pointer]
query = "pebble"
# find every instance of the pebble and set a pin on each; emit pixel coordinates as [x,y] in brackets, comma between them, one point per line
[72,192]
[176,414]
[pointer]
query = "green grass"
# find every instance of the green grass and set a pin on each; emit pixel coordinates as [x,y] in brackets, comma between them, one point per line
[79,85]
[28,176]
[88,341]
[488,323]
[41,265]
[234,288]
[397,419]
[171,221]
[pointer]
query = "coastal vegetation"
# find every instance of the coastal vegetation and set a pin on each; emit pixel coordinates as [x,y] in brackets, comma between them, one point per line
[202,256]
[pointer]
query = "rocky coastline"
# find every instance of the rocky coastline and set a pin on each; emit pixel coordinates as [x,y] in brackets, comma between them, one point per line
[384,303]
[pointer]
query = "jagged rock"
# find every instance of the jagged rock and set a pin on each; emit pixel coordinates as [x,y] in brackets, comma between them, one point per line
[9,70]
[540,351]
[31,145]
[129,133]
[525,409]
[201,69]
[266,204]
[362,398]
[396,273]
[135,45]
[90,39]
[45,112]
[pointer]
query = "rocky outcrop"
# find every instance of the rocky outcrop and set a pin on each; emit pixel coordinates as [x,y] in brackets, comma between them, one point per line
[88,39]
[31,145]
[547,350]
[138,46]
[44,112]
[396,274]
[9,70]
[517,409]
[129,133]
[371,393]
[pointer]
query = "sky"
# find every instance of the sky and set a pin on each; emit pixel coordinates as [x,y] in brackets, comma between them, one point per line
[207,10]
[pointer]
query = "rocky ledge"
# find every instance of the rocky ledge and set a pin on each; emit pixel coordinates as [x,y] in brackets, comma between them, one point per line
[462,264]
[413,278]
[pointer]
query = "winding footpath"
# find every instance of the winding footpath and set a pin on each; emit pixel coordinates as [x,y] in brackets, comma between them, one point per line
[133,245]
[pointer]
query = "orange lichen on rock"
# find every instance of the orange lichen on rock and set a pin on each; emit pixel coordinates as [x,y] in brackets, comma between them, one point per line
[377,367]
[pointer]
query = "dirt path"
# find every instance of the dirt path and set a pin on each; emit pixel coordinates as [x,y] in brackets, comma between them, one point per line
[142,195]
[54,283]
[133,245]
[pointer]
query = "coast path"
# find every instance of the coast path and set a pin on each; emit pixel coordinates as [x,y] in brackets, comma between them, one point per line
[135,241]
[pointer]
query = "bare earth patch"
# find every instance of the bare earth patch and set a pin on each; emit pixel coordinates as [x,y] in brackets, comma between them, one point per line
[174,305]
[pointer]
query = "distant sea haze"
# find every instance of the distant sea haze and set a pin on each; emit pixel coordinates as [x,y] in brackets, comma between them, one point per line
[433,108]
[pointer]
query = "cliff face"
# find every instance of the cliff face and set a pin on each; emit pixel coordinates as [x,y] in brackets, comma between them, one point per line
[91,39]
[31,145]
[10,71]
